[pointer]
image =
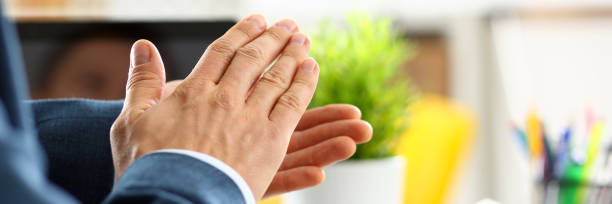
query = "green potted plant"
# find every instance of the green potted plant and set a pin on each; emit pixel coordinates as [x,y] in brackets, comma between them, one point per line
[360,65]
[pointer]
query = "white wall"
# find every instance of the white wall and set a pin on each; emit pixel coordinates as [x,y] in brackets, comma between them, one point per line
[560,67]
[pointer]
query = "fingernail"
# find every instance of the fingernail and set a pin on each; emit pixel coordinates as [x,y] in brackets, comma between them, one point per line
[140,53]
[308,66]
[298,39]
[256,21]
[287,24]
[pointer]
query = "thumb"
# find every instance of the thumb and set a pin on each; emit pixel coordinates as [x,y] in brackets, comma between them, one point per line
[146,77]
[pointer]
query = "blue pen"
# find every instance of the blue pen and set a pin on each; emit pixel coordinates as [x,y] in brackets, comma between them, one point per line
[522,137]
[562,153]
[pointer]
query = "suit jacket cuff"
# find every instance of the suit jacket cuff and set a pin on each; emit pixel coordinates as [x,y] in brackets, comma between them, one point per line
[176,178]
[229,171]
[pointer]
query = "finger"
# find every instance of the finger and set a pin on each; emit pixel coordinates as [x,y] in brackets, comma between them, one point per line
[328,113]
[295,179]
[291,105]
[322,154]
[358,130]
[146,77]
[252,58]
[276,80]
[219,54]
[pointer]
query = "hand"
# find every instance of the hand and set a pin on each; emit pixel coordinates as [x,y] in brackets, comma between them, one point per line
[324,135]
[211,111]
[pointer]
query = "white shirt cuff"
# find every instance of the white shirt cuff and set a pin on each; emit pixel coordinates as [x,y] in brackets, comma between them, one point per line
[238,180]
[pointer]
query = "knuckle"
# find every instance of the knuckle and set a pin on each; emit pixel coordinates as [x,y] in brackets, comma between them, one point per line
[275,35]
[127,119]
[252,53]
[310,83]
[275,79]
[248,30]
[304,83]
[118,127]
[289,55]
[139,75]
[224,48]
[225,99]
[131,117]
[288,58]
[291,101]
[187,91]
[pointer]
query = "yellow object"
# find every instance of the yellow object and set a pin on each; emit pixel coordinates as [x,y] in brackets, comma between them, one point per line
[435,144]
[534,135]
[271,200]
[593,148]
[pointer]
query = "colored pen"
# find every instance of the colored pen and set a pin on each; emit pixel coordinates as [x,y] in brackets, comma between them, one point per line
[562,153]
[522,138]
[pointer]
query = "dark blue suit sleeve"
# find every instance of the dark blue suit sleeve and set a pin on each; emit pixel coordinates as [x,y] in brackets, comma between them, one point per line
[22,163]
[174,178]
[75,136]
[155,178]
[23,167]
[75,132]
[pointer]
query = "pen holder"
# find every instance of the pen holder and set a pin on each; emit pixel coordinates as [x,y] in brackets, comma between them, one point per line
[572,192]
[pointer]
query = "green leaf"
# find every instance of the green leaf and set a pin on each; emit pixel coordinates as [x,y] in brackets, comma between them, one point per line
[360,65]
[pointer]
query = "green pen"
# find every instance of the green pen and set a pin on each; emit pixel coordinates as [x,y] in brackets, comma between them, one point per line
[578,173]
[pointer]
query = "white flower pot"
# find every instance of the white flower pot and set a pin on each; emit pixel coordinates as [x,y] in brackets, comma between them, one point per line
[357,181]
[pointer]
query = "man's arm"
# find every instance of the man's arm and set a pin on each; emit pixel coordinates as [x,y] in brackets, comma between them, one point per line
[316,138]
[211,112]
[23,163]
[158,177]
[74,133]
[167,177]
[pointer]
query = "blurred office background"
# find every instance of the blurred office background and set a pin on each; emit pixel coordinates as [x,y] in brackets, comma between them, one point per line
[498,60]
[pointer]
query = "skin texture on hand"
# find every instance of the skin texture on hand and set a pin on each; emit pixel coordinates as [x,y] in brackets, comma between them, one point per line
[212,111]
[323,136]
